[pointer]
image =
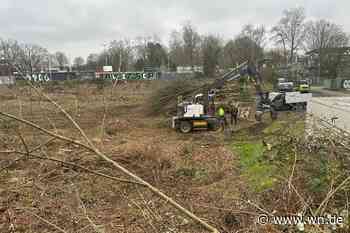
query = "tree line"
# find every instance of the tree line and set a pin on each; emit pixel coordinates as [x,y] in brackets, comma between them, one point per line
[291,35]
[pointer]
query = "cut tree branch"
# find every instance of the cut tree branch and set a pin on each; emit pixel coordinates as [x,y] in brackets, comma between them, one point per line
[33,156]
[124,170]
[93,148]
[44,220]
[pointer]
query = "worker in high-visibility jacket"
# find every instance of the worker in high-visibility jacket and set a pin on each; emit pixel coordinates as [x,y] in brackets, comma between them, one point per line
[222,118]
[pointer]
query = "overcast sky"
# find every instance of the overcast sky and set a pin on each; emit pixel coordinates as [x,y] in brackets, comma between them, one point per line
[80,27]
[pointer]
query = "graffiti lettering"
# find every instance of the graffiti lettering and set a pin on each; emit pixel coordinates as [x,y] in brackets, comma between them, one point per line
[46,77]
[127,76]
[38,77]
[346,84]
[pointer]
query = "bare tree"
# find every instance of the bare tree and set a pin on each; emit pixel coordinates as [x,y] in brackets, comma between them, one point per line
[191,41]
[256,36]
[275,55]
[211,52]
[255,33]
[156,54]
[140,48]
[27,57]
[151,52]
[62,59]
[31,57]
[121,53]
[78,62]
[289,31]
[241,49]
[326,38]
[176,49]
[50,61]
[92,61]
[248,45]
[10,50]
[324,34]
[230,54]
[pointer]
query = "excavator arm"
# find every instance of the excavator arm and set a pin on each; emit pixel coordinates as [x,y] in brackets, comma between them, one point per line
[246,69]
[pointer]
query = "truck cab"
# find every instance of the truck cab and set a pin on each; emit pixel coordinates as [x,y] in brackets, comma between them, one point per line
[303,86]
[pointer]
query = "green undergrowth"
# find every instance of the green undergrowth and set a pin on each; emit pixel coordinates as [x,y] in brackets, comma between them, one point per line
[260,165]
[268,152]
[296,128]
[254,167]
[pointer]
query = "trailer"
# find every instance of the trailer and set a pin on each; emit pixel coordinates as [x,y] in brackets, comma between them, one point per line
[289,101]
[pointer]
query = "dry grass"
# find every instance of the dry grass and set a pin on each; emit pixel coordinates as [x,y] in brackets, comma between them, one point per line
[199,170]
[37,195]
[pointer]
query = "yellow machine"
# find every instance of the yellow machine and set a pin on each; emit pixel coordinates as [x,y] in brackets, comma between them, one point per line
[303,86]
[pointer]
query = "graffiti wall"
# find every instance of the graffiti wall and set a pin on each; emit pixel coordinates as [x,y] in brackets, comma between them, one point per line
[127,75]
[346,84]
[38,77]
[62,76]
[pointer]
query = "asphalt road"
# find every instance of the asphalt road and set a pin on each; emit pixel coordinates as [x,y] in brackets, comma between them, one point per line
[320,92]
[331,106]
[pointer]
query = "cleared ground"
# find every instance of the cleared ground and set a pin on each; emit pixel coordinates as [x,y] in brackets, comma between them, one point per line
[196,170]
[225,179]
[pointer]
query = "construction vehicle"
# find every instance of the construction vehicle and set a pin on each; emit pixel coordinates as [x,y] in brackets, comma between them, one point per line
[191,115]
[194,114]
[284,85]
[287,101]
[303,86]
